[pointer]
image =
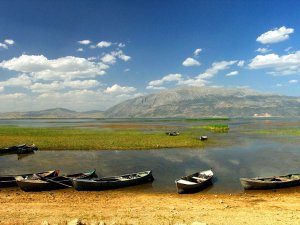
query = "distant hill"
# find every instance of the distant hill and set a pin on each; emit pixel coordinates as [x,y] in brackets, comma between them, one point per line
[51,113]
[207,102]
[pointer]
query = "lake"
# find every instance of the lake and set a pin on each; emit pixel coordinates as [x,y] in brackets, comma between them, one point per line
[238,154]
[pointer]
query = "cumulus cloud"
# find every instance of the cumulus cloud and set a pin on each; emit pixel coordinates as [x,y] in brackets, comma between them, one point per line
[263,50]
[85,42]
[9,41]
[65,68]
[150,87]
[197,52]
[3,46]
[21,81]
[275,35]
[169,78]
[111,58]
[117,89]
[104,44]
[233,73]
[215,68]
[280,65]
[190,62]
[241,63]
[79,50]
[293,81]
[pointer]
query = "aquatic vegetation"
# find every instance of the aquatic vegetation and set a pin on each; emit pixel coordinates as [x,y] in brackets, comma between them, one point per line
[214,127]
[295,132]
[94,139]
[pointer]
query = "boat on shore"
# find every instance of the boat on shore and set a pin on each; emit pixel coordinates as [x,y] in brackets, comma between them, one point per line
[39,183]
[112,182]
[19,149]
[274,182]
[10,180]
[194,182]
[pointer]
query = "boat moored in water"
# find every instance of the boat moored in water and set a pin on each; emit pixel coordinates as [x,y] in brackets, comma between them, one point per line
[194,182]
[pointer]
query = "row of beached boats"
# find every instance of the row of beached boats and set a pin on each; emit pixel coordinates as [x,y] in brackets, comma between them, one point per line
[89,181]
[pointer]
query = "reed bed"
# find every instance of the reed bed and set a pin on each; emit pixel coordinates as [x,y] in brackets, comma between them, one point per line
[95,139]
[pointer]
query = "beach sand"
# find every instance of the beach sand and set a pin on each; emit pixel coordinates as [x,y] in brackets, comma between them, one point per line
[123,206]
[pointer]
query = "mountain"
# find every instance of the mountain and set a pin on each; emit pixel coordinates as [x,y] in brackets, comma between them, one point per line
[56,113]
[207,102]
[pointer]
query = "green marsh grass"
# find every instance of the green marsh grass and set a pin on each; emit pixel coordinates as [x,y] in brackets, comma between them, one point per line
[214,127]
[95,139]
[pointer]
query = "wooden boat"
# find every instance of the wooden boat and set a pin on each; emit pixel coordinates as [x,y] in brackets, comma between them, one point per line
[10,180]
[194,182]
[104,183]
[19,149]
[203,138]
[38,183]
[271,182]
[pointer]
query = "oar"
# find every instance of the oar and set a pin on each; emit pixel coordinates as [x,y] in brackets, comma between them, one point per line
[53,181]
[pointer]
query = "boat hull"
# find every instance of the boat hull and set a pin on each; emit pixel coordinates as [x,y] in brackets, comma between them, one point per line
[194,182]
[59,182]
[10,180]
[270,183]
[113,182]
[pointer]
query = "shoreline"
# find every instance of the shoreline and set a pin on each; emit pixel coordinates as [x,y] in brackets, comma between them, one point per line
[124,206]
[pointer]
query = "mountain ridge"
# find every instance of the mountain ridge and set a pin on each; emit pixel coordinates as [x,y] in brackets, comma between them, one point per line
[207,102]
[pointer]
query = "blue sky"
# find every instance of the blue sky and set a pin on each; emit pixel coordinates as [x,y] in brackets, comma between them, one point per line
[87,55]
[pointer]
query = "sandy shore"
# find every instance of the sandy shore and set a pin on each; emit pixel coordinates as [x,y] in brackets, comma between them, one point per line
[128,207]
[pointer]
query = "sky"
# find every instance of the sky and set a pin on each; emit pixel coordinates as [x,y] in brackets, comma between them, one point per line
[93,54]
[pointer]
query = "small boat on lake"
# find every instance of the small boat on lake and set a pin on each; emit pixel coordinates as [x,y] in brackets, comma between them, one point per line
[19,149]
[194,182]
[104,183]
[10,180]
[39,183]
[203,138]
[271,182]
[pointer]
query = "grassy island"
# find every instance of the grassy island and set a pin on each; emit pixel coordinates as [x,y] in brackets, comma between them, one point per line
[96,139]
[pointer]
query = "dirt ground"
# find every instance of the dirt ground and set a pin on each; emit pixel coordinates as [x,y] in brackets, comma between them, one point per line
[127,207]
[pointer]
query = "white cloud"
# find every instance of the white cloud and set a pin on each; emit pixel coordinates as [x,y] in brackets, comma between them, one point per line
[104,44]
[120,54]
[197,52]
[58,85]
[79,50]
[263,50]
[293,81]
[21,81]
[65,68]
[190,62]
[275,35]
[215,68]
[85,42]
[9,41]
[121,45]
[241,63]
[233,73]
[119,89]
[150,87]
[281,65]
[169,78]
[1,88]
[3,46]
[109,59]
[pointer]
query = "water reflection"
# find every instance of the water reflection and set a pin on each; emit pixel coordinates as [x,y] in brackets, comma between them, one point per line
[263,158]
[234,155]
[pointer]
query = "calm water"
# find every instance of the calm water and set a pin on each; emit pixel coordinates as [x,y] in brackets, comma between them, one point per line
[241,155]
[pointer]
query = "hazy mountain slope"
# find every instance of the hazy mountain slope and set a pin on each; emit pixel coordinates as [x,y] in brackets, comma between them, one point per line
[51,113]
[206,102]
